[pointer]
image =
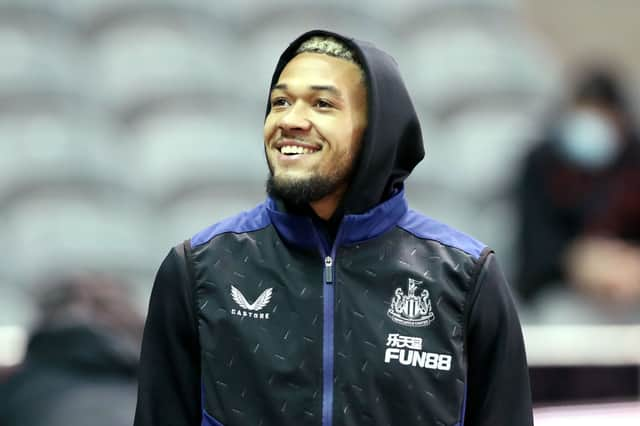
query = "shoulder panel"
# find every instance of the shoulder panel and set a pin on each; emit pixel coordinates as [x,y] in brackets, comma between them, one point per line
[247,221]
[426,228]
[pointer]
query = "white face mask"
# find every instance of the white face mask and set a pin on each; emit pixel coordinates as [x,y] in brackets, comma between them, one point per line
[589,140]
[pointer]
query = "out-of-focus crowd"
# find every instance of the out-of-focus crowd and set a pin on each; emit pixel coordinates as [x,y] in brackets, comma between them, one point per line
[81,359]
[578,200]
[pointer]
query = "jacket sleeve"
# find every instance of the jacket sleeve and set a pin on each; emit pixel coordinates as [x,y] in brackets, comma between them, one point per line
[498,390]
[169,374]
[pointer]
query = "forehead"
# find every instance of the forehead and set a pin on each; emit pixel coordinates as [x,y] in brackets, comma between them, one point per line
[318,68]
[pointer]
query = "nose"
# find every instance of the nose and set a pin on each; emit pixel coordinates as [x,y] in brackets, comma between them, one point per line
[295,119]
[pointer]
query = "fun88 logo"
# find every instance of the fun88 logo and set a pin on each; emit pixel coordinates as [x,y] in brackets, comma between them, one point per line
[407,350]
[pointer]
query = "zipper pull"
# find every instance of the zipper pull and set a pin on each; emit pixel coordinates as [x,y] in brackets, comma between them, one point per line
[328,270]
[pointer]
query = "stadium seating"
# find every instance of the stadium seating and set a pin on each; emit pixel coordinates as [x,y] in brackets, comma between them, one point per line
[54,139]
[268,33]
[436,65]
[39,52]
[131,125]
[492,140]
[173,53]
[77,227]
[201,207]
[179,143]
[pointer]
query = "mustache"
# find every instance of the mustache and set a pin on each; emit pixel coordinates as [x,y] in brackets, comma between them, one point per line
[296,138]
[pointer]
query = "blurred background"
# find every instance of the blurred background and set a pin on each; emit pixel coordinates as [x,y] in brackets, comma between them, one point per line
[128,126]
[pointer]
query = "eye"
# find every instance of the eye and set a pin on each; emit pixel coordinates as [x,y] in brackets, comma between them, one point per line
[279,102]
[323,104]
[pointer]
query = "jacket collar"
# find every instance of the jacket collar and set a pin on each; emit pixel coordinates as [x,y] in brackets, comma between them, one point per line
[302,232]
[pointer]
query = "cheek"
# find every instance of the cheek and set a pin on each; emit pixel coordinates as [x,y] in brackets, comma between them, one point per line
[350,136]
[335,130]
[269,128]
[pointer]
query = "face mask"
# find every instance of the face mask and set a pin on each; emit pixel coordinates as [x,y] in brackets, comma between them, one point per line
[589,140]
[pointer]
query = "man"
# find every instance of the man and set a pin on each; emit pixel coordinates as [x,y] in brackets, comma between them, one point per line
[332,303]
[579,205]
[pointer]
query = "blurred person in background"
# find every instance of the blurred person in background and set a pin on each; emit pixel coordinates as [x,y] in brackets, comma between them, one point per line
[333,303]
[81,359]
[579,204]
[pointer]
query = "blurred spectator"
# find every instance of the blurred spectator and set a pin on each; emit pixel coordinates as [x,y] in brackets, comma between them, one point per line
[81,359]
[579,203]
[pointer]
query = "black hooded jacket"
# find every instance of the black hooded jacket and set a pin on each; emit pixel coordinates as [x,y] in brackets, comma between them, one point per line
[398,320]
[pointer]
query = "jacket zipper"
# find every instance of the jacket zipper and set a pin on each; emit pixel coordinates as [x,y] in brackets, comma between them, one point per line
[327,343]
[328,270]
[328,287]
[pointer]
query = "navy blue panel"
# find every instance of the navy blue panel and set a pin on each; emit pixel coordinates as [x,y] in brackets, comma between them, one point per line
[430,229]
[247,221]
[357,228]
[464,406]
[207,420]
[297,230]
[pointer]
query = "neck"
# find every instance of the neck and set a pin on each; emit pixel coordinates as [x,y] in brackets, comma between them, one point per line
[326,206]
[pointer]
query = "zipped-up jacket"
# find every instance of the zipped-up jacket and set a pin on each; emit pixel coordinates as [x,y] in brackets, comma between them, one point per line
[402,321]
[378,316]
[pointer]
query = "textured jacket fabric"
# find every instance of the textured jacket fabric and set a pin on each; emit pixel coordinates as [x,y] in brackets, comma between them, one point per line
[393,319]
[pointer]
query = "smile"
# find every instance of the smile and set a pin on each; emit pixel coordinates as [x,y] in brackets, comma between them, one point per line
[293,150]
[288,147]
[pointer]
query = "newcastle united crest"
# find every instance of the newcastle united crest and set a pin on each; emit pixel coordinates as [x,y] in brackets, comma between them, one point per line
[409,309]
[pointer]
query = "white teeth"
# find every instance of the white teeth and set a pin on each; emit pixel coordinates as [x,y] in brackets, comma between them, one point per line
[294,149]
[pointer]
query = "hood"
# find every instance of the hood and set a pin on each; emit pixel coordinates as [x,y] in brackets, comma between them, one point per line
[392,143]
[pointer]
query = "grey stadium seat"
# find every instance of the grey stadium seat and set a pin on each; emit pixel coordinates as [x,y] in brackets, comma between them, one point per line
[142,55]
[477,152]
[268,34]
[504,61]
[202,207]
[179,145]
[38,51]
[54,139]
[77,228]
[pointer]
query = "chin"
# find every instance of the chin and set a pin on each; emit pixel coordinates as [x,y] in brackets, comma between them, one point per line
[293,177]
[299,190]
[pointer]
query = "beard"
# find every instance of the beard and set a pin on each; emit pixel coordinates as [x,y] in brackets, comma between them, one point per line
[299,193]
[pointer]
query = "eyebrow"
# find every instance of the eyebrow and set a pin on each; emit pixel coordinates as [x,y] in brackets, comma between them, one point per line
[317,88]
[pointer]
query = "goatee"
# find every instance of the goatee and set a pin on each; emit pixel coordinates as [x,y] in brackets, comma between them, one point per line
[299,193]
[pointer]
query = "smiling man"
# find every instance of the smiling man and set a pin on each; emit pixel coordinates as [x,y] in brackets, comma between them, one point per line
[314,129]
[333,303]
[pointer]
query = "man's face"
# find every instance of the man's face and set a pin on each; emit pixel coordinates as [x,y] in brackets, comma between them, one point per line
[313,131]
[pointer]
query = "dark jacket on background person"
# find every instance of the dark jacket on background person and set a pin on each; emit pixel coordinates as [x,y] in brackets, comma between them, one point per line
[72,376]
[380,316]
[559,202]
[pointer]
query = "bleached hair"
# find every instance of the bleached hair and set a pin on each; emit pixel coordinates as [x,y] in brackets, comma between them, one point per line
[329,46]
[333,47]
